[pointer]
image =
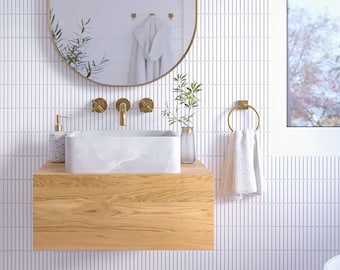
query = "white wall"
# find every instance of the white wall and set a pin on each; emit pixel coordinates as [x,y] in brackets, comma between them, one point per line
[294,226]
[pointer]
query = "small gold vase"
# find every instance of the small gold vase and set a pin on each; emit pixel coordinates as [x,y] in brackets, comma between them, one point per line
[187,145]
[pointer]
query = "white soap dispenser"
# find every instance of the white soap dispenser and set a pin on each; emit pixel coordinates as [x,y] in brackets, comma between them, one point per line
[56,142]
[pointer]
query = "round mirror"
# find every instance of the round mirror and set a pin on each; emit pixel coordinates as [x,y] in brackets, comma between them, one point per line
[122,43]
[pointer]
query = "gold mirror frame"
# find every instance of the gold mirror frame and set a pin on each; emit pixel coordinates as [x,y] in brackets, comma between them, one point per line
[133,15]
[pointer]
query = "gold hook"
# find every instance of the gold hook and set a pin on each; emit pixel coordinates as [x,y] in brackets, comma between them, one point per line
[133,15]
[243,105]
[170,15]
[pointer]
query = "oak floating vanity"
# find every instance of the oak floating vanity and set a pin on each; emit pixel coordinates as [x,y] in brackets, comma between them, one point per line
[123,211]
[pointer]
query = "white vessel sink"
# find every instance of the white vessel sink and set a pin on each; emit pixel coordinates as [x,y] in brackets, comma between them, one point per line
[122,152]
[333,263]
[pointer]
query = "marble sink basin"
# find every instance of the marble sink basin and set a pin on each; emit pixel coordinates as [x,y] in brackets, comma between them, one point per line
[122,152]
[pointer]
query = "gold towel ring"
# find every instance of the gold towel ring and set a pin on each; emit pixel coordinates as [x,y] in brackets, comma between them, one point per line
[243,105]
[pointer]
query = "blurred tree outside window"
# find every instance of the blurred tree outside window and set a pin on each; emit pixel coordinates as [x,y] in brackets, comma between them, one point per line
[313,37]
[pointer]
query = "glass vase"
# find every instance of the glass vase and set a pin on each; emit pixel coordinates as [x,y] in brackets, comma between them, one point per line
[187,146]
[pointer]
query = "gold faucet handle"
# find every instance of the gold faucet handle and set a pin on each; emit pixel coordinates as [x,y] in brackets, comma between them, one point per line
[99,105]
[146,105]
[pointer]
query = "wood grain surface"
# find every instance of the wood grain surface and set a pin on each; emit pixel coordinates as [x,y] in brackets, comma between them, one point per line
[123,211]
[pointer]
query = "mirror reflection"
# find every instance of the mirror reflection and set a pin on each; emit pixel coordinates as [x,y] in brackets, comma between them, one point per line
[122,43]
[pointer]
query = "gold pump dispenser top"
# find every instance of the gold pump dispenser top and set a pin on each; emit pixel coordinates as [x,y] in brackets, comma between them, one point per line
[58,126]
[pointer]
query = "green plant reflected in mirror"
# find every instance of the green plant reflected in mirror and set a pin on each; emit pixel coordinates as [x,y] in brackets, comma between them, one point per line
[125,43]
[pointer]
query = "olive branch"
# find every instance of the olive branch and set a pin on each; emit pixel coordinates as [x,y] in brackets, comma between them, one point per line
[186,101]
[73,51]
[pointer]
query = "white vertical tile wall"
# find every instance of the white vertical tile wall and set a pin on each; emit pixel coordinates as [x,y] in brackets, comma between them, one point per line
[294,226]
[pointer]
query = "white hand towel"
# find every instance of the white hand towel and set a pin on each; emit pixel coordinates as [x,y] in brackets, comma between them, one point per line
[241,174]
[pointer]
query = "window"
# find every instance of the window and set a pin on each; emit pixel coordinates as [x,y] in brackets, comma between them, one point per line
[285,139]
[313,36]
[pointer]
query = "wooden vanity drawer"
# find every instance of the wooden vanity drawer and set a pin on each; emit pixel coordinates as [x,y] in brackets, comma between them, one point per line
[123,211]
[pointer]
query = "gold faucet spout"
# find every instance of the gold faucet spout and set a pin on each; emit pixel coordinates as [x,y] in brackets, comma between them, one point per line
[122,105]
[122,114]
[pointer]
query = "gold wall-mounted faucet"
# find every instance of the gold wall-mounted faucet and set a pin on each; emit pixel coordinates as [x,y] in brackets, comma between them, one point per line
[122,105]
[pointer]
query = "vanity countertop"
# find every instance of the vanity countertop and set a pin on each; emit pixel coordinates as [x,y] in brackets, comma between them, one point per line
[59,168]
[123,211]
